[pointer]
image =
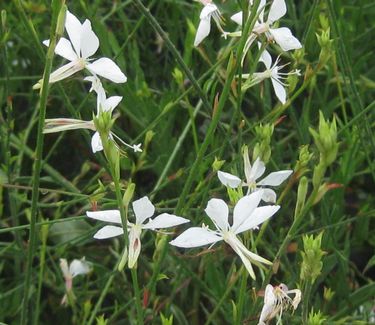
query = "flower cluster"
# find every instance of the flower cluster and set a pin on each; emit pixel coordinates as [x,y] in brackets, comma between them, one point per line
[82,44]
[265,32]
[249,211]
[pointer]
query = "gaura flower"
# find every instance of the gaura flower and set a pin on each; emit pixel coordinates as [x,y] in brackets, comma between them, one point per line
[82,45]
[273,73]
[253,173]
[143,209]
[246,216]
[276,299]
[209,10]
[76,267]
[282,36]
[104,104]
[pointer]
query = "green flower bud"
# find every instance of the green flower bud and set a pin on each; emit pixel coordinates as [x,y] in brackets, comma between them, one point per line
[311,258]
[124,260]
[262,148]
[128,195]
[326,140]
[60,27]
[217,164]
[301,195]
[316,318]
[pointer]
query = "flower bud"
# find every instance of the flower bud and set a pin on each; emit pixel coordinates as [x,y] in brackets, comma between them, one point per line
[302,163]
[326,140]
[123,261]
[128,194]
[262,148]
[316,318]
[217,164]
[311,258]
[60,26]
[301,195]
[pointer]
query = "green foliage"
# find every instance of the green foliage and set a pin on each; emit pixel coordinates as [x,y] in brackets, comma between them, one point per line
[185,105]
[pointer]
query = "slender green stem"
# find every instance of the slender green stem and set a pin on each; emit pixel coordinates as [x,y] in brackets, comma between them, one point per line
[57,6]
[42,262]
[306,299]
[241,298]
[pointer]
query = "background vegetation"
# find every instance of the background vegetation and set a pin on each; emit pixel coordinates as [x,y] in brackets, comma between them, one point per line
[164,110]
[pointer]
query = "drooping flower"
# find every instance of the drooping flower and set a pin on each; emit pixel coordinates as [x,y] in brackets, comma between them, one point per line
[276,300]
[282,36]
[273,73]
[82,45]
[76,267]
[143,209]
[246,216]
[253,173]
[209,11]
[104,104]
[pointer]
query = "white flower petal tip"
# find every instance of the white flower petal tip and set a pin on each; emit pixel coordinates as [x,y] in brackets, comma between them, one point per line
[195,237]
[237,18]
[143,209]
[285,39]
[165,220]
[209,11]
[106,216]
[228,179]
[108,232]
[108,69]
[275,178]
[96,143]
[218,212]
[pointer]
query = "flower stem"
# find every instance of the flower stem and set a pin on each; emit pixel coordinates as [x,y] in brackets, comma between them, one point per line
[57,7]
[305,305]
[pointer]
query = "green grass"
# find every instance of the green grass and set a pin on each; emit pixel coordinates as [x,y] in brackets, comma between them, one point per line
[184,105]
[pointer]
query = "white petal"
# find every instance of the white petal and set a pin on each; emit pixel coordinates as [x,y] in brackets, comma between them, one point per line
[195,237]
[275,178]
[96,143]
[284,37]
[65,71]
[207,10]
[247,165]
[266,59]
[111,103]
[165,220]
[134,246]
[279,90]
[262,5]
[106,215]
[257,170]
[277,10]
[244,208]
[258,216]
[228,179]
[244,260]
[203,30]
[269,296]
[106,68]
[143,209]
[108,232]
[237,18]
[269,195]
[78,267]
[64,268]
[74,29]
[218,211]
[64,49]
[254,258]
[89,41]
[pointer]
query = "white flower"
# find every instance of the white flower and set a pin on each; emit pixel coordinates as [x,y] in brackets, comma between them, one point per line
[282,36]
[143,210]
[103,104]
[76,267]
[253,173]
[273,73]
[276,299]
[82,45]
[246,215]
[209,10]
